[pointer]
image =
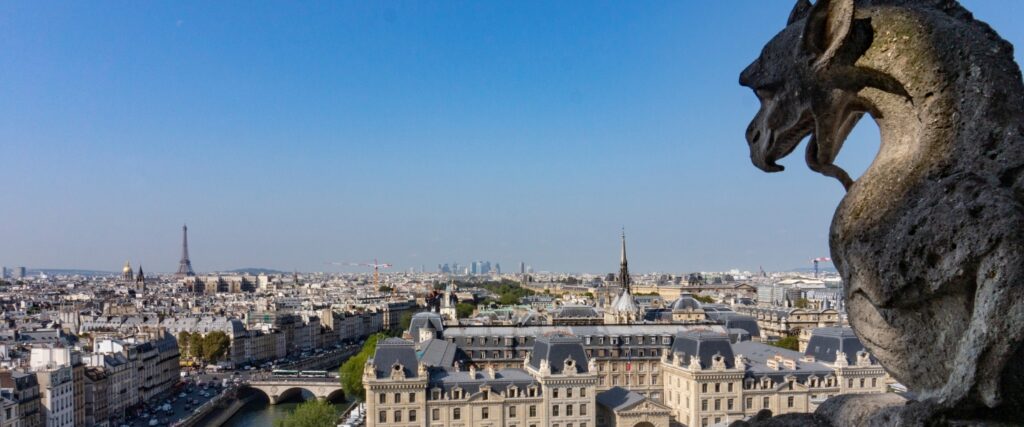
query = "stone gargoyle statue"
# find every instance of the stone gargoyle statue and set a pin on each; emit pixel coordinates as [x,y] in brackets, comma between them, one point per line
[930,239]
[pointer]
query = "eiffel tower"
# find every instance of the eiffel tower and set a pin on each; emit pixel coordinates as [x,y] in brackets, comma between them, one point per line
[184,266]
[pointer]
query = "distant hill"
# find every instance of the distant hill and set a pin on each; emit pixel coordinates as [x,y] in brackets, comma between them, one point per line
[256,270]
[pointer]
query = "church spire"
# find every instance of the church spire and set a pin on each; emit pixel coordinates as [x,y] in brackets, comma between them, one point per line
[624,279]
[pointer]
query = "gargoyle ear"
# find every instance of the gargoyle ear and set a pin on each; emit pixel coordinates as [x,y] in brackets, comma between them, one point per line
[799,11]
[827,28]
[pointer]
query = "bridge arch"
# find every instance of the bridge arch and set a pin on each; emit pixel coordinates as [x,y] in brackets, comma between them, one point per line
[287,393]
[336,396]
[277,391]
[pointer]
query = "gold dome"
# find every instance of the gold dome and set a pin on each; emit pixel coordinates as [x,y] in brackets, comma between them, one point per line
[127,267]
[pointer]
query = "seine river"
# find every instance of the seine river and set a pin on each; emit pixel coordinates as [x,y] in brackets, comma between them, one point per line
[260,413]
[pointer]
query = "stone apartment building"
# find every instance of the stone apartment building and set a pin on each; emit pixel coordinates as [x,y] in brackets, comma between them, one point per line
[625,355]
[709,380]
[97,397]
[556,387]
[61,396]
[56,395]
[9,415]
[24,390]
[136,370]
[782,321]
[655,373]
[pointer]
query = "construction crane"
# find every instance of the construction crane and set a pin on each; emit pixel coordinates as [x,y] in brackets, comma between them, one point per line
[375,265]
[816,261]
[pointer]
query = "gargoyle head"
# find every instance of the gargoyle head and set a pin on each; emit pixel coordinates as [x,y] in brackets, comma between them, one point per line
[793,78]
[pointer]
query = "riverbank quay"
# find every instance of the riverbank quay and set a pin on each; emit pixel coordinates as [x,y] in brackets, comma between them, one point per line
[227,400]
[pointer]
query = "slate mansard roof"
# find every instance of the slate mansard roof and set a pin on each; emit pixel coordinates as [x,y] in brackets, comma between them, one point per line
[437,353]
[618,398]
[557,349]
[424,319]
[686,301]
[448,379]
[758,355]
[704,345]
[395,350]
[575,311]
[825,342]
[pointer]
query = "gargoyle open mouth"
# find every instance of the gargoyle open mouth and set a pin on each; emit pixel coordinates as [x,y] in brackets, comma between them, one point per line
[781,144]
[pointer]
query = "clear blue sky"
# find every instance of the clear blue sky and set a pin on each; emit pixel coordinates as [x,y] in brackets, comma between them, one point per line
[414,132]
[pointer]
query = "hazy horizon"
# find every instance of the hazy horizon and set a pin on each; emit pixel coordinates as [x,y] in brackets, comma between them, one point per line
[288,136]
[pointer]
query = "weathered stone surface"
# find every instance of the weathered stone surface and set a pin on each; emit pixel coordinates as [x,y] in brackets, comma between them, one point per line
[858,409]
[930,240]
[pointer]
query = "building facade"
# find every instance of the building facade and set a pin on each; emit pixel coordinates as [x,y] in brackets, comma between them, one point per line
[690,375]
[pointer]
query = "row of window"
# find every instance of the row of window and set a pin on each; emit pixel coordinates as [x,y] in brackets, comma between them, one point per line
[568,392]
[508,354]
[382,416]
[382,398]
[587,340]
[568,410]
[765,403]
[613,380]
[485,413]
[750,383]
[435,394]
[630,366]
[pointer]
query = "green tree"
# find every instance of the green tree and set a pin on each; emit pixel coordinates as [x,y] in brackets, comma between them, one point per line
[183,342]
[789,342]
[195,345]
[801,303]
[313,413]
[351,372]
[385,289]
[215,346]
[404,321]
[508,299]
[464,309]
[704,299]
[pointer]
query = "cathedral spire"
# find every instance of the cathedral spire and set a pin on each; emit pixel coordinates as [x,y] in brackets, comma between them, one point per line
[624,279]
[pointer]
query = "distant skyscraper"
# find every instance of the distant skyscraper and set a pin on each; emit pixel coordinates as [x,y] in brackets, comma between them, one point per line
[3,273]
[497,268]
[185,265]
[522,267]
[20,273]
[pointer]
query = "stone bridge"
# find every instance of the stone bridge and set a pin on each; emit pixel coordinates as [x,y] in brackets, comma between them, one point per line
[277,388]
